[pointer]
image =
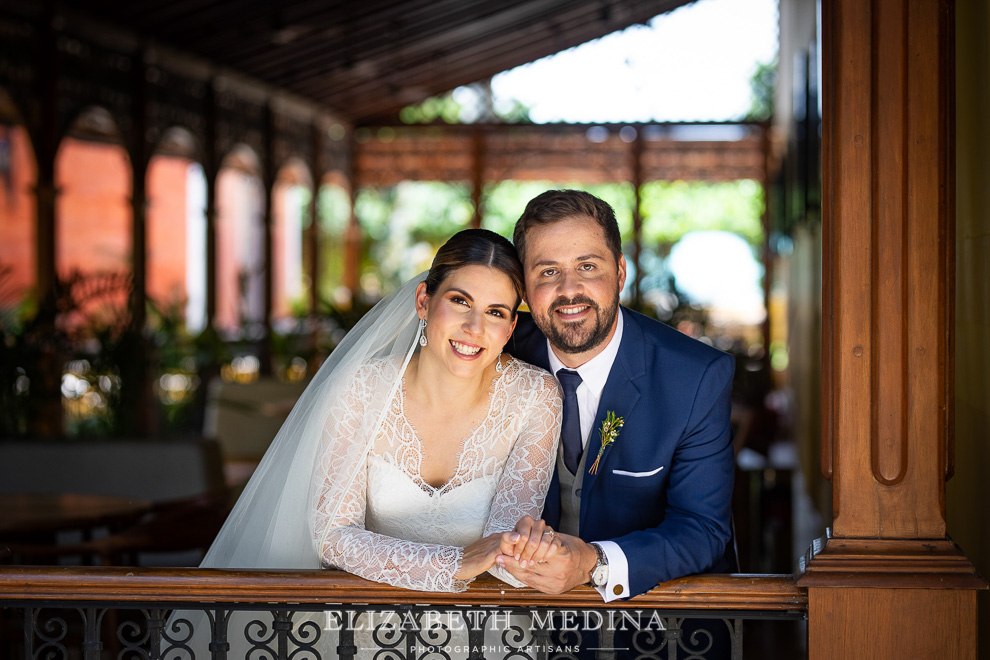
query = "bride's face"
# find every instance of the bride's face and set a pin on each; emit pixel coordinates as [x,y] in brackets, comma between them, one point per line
[469,318]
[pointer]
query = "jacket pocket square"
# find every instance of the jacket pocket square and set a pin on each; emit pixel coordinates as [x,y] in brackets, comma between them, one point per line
[626,473]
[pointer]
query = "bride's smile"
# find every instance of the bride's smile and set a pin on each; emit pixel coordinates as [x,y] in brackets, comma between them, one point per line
[465,349]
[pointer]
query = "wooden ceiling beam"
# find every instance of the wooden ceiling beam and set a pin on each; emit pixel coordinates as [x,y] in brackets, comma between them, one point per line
[366,60]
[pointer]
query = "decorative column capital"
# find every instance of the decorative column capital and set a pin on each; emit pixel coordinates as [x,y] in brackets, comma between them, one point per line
[887,564]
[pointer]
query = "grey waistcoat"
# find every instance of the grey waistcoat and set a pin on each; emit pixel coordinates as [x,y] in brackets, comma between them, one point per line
[570,493]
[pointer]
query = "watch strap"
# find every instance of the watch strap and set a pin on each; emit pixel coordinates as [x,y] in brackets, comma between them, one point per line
[597,571]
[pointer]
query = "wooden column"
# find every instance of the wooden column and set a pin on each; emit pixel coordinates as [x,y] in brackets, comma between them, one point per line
[314,235]
[888,583]
[211,169]
[140,158]
[477,173]
[636,156]
[352,236]
[137,411]
[269,173]
[46,418]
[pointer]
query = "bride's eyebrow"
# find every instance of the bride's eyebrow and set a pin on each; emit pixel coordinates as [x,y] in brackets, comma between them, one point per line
[462,292]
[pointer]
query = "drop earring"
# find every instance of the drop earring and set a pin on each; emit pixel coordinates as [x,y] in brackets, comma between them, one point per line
[498,364]
[422,333]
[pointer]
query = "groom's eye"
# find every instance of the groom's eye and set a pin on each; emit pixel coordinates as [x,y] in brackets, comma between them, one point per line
[549,272]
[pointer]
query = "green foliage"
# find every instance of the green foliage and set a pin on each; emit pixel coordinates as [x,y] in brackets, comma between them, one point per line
[673,208]
[504,202]
[465,105]
[333,209]
[763,85]
[404,225]
[333,213]
[443,108]
[512,111]
[21,345]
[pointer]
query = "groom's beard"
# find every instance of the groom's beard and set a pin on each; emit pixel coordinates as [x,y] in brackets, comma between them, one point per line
[578,337]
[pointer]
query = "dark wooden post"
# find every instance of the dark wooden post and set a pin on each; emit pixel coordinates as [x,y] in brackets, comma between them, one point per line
[139,196]
[211,169]
[268,174]
[888,583]
[138,403]
[313,236]
[352,238]
[46,415]
[477,173]
[636,153]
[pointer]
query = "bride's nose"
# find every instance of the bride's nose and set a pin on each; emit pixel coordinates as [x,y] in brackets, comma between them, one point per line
[474,323]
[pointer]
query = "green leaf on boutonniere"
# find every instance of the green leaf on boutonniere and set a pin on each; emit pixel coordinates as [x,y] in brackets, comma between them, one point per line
[609,432]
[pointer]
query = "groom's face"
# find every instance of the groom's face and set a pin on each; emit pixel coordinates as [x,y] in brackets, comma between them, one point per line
[572,286]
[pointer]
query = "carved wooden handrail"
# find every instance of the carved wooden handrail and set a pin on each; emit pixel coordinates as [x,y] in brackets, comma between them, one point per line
[763,593]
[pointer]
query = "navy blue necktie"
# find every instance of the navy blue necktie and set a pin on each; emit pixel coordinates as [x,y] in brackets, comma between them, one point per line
[570,430]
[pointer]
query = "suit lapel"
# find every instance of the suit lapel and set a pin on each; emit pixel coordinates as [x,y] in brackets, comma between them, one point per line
[621,395]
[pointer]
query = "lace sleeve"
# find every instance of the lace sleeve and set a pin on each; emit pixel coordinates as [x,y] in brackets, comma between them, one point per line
[523,487]
[339,517]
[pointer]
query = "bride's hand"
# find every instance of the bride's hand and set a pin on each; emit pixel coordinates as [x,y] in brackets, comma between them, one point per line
[479,557]
[531,542]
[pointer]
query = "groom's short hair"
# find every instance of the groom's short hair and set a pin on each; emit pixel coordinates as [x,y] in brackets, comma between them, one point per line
[555,205]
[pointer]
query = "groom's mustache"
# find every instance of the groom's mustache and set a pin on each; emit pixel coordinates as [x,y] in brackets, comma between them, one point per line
[570,302]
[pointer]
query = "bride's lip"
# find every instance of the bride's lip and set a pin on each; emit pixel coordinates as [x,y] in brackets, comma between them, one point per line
[463,349]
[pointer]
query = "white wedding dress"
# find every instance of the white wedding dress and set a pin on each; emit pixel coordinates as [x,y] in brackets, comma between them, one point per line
[391,526]
[340,484]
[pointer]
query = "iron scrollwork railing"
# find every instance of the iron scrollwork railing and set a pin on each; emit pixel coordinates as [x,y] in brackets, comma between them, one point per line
[359,620]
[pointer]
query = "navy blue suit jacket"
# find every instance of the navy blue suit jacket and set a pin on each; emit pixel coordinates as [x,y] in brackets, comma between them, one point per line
[674,395]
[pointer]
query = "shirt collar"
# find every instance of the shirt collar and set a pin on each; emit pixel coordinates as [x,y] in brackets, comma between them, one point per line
[595,371]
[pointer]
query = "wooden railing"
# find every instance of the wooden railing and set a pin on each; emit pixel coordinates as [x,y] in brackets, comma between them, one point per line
[97,603]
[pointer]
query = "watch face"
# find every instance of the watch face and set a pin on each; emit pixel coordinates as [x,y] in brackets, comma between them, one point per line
[599,576]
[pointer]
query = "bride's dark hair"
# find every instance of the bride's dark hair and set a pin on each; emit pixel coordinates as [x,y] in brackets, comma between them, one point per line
[477,247]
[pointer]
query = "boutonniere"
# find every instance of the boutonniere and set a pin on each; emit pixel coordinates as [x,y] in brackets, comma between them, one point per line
[609,432]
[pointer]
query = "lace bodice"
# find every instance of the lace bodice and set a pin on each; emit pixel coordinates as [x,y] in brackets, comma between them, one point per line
[393,527]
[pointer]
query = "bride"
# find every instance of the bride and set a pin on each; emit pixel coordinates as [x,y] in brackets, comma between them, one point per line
[419,451]
[466,444]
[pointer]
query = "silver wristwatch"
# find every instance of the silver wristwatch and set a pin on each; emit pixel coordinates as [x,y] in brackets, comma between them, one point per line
[599,574]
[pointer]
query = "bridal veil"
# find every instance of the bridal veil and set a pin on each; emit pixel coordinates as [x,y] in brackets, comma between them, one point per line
[271,525]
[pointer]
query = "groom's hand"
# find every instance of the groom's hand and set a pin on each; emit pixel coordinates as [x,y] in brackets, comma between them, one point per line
[569,567]
[530,542]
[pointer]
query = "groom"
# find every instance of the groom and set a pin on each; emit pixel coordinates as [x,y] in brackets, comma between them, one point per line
[653,504]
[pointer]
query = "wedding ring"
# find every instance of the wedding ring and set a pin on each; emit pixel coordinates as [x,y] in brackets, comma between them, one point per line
[550,532]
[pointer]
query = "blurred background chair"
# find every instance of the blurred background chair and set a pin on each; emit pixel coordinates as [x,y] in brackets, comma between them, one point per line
[244,418]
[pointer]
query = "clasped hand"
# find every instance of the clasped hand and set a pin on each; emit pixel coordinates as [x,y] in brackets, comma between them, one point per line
[531,542]
[569,565]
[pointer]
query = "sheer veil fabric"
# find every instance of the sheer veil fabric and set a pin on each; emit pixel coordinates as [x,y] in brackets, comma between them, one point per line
[271,525]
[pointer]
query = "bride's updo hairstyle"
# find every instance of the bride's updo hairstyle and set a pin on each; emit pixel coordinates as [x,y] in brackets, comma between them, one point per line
[477,247]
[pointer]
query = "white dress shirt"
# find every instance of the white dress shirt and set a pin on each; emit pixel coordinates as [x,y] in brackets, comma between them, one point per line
[594,373]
